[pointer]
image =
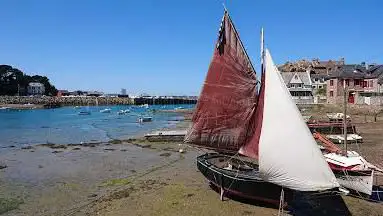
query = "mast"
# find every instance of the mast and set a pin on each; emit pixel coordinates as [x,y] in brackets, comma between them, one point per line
[345,115]
[262,50]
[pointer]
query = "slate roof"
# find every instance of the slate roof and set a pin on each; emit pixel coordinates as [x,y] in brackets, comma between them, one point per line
[353,71]
[375,72]
[287,76]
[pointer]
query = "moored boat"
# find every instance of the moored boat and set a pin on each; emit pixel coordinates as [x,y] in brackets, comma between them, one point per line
[106,110]
[84,112]
[145,119]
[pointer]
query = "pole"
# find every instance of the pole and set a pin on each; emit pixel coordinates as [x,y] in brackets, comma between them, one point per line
[262,50]
[345,115]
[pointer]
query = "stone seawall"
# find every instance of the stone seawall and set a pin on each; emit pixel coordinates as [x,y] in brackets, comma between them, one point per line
[65,101]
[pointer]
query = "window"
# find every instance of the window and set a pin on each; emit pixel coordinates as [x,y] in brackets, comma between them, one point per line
[314,87]
[364,84]
[371,83]
[347,82]
[320,87]
[356,82]
[331,93]
[331,82]
[316,79]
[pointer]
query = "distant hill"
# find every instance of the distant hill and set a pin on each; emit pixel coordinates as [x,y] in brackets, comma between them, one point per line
[14,81]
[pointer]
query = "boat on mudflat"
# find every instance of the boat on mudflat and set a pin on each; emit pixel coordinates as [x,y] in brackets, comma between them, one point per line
[239,123]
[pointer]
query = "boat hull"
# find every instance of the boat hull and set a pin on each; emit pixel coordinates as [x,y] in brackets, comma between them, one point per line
[243,184]
[357,181]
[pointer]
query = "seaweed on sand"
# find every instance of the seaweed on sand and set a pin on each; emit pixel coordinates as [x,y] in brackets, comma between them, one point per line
[8,204]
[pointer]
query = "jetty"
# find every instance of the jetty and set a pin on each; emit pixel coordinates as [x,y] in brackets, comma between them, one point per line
[166,136]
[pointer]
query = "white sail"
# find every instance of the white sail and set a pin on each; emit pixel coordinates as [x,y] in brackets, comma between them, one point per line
[288,153]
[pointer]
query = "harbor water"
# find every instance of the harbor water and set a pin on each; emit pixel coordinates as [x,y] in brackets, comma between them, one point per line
[64,125]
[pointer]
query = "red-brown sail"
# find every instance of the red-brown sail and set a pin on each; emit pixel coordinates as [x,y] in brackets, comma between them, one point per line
[226,105]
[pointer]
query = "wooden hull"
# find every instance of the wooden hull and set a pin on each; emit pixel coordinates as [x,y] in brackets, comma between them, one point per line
[246,184]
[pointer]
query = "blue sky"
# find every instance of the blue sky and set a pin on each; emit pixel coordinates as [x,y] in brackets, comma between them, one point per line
[164,47]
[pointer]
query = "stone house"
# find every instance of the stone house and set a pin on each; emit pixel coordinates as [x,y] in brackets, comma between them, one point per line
[300,86]
[364,84]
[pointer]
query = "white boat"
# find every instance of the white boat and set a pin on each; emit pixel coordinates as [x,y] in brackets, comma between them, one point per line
[337,116]
[337,138]
[146,106]
[5,108]
[123,112]
[145,119]
[178,108]
[353,171]
[106,110]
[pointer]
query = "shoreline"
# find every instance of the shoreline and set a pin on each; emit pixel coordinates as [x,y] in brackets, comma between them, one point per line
[133,177]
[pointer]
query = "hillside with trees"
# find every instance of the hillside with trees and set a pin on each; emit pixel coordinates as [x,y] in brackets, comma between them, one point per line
[14,82]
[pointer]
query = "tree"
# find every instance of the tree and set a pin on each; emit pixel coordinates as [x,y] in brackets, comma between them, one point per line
[12,80]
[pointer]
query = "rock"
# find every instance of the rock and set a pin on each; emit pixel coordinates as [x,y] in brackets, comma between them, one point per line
[92,195]
[3,166]
[109,149]
[166,154]
[40,166]
[123,150]
[181,151]
[27,147]
[77,148]
[11,146]
[55,152]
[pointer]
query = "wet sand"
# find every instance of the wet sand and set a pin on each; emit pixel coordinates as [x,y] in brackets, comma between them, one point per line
[135,177]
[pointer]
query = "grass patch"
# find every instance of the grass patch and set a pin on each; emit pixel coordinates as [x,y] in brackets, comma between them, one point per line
[9,204]
[116,182]
[115,141]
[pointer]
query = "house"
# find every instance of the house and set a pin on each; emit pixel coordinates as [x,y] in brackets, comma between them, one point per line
[300,86]
[364,84]
[61,93]
[35,88]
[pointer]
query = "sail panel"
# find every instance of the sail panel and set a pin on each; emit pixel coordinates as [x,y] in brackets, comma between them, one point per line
[227,100]
[288,153]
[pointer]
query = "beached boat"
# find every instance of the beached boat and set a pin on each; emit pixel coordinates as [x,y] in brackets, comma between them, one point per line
[337,117]
[350,168]
[265,150]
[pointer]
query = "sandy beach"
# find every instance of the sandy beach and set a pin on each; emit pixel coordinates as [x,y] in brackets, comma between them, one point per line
[136,177]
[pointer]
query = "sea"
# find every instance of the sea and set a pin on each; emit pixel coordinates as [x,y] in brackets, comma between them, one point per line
[19,128]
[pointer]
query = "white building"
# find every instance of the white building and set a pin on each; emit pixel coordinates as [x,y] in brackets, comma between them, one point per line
[36,88]
[300,86]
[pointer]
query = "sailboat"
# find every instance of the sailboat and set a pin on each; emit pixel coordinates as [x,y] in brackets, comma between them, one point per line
[263,147]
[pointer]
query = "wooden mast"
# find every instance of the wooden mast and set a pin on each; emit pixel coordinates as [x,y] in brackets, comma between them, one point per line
[345,115]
